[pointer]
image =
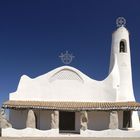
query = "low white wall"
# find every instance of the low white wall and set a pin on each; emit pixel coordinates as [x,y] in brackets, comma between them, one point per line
[111,133]
[29,132]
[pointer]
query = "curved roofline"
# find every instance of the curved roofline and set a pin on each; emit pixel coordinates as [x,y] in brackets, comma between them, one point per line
[78,72]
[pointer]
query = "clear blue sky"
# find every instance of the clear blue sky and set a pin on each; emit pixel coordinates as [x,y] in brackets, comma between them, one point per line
[33,33]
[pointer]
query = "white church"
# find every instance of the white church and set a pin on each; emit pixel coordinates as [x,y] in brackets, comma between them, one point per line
[66,102]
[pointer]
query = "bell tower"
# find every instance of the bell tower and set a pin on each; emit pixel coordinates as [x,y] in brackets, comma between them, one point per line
[120,50]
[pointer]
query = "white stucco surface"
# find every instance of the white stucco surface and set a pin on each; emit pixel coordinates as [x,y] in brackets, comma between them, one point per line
[125,86]
[29,132]
[64,84]
[18,118]
[98,120]
[44,120]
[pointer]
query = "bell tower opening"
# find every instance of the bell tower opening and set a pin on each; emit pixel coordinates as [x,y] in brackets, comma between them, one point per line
[123,48]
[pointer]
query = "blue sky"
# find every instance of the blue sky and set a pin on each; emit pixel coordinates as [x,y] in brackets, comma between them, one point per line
[33,33]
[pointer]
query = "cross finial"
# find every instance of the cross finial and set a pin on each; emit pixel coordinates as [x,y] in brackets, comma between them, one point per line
[66,58]
[120,21]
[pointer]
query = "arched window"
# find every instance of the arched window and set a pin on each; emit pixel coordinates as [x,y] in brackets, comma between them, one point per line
[123,48]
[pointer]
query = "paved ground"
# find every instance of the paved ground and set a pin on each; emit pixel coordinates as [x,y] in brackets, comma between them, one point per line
[69,138]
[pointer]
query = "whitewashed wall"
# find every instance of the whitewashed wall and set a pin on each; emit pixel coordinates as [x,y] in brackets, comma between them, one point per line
[98,120]
[65,84]
[77,122]
[18,118]
[43,119]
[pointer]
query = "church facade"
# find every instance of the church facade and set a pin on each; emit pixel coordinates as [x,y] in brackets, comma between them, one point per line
[66,101]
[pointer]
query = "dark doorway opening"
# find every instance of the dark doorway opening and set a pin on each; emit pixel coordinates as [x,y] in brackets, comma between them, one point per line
[127,119]
[66,121]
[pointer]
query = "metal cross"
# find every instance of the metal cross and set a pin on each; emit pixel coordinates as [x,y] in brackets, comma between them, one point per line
[66,58]
[120,21]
